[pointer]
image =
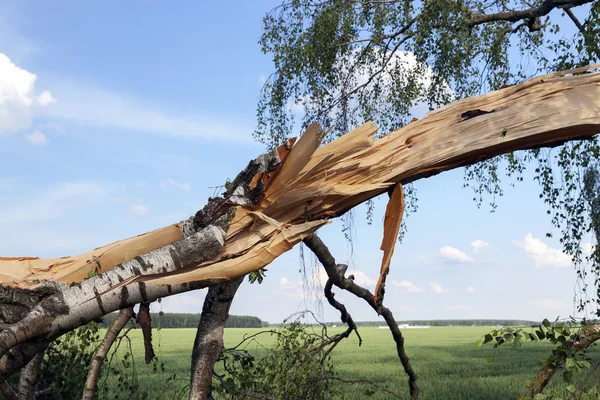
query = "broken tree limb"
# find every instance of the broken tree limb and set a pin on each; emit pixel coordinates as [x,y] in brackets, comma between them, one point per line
[336,273]
[240,232]
[330,180]
[91,381]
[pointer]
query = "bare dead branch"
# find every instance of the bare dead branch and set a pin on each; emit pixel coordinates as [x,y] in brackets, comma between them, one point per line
[336,273]
[345,318]
[91,382]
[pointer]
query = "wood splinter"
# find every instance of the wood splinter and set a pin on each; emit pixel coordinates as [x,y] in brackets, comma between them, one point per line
[391,228]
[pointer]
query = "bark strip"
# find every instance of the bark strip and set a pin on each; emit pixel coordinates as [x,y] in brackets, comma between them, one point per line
[208,344]
[335,272]
[91,381]
[145,320]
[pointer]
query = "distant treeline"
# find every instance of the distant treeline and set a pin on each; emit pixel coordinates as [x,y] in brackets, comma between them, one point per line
[176,320]
[456,322]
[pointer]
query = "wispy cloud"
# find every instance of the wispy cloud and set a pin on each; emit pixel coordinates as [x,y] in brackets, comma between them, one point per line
[479,245]
[453,256]
[87,105]
[408,286]
[470,289]
[139,208]
[437,288]
[172,183]
[53,202]
[37,138]
[542,254]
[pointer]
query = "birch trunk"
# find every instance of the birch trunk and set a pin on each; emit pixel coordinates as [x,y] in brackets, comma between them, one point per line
[280,198]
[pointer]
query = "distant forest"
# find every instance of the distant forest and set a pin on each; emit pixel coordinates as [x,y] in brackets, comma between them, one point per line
[457,322]
[175,320]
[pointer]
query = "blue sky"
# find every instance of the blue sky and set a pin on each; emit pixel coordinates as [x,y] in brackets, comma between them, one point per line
[118,118]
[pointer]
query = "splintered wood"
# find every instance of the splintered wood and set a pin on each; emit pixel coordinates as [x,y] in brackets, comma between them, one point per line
[391,228]
[314,184]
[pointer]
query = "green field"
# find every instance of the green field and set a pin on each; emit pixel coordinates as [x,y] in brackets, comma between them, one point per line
[445,358]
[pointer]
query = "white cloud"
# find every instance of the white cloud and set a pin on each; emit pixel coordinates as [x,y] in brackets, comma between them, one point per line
[139,208]
[37,138]
[408,286]
[479,245]
[172,182]
[542,254]
[46,98]
[453,255]
[91,106]
[361,278]
[587,248]
[18,102]
[551,305]
[53,202]
[469,289]
[437,288]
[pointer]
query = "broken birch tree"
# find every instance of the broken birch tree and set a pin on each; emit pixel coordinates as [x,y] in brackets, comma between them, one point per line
[279,199]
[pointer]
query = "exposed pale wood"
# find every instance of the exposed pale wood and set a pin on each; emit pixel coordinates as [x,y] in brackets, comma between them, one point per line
[29,271]
[316,184]
[391,228]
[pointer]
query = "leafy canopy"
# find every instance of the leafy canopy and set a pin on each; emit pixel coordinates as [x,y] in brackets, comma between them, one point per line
[342,62]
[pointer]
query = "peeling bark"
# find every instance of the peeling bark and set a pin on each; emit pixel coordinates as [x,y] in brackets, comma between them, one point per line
[91,382]
[208,344]
[145,320]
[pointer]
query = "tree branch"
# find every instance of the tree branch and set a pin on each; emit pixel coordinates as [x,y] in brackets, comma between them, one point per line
[344,316]
[582,340]
[336,272]
[91,382]
[579,26]
[530,14]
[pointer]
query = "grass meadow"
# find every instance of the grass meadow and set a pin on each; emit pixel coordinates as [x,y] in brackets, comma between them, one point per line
[446,360]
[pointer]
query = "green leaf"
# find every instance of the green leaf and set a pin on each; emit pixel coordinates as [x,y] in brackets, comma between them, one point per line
[546,323]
